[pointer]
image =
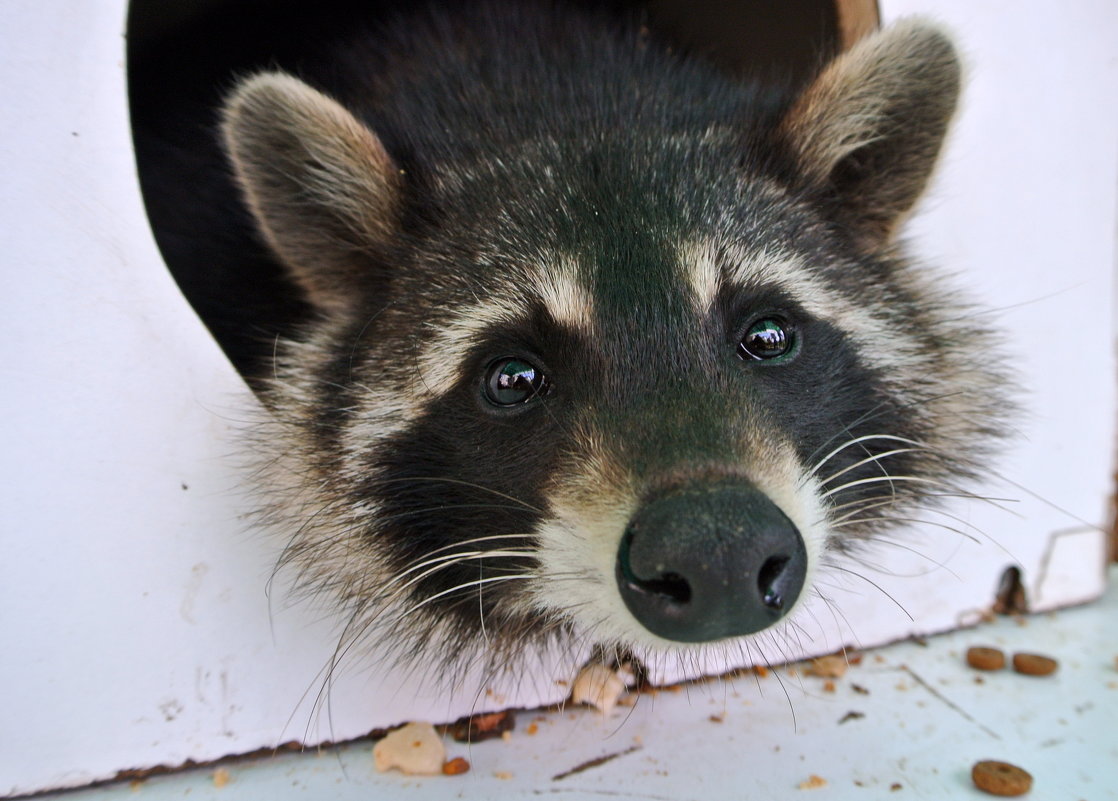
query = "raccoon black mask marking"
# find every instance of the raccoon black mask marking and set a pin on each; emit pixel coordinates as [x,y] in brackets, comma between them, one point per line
[608,348]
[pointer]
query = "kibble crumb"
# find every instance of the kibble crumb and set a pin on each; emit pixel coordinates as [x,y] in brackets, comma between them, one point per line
[812,782]
[454,767]
[828,667]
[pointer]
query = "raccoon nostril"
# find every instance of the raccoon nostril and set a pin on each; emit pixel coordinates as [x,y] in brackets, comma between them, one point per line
[767,578]
[670,585]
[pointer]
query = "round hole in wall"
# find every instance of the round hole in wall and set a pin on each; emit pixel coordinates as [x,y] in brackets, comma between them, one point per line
[184,55]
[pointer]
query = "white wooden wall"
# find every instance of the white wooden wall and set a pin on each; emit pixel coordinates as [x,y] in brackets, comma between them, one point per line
[136,630]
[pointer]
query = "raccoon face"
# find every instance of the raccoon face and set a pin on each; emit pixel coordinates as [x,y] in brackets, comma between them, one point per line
[634,389]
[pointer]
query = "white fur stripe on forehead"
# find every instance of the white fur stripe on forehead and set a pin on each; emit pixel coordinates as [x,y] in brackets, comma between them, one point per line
[565,298]
[709,266]
[450,341]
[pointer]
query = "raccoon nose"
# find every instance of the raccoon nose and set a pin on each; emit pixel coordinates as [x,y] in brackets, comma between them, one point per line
[707,562]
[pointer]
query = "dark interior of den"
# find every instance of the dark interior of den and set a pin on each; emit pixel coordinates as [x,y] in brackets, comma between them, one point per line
[185,55]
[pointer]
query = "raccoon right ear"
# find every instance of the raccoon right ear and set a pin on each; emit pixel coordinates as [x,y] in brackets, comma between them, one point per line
[320,184]
[868,130]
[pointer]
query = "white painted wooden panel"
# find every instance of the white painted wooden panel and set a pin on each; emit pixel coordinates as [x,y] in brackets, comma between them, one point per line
[132,597]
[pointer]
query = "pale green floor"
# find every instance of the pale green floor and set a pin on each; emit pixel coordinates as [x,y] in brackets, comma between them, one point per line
[926,718]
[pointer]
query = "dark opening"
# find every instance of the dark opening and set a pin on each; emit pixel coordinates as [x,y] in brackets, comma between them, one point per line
[183,56]
[1010,597]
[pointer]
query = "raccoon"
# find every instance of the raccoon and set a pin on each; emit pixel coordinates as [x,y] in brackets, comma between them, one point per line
[608,348]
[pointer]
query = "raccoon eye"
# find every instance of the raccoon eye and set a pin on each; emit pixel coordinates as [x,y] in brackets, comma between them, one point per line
[510,381]
[766,339]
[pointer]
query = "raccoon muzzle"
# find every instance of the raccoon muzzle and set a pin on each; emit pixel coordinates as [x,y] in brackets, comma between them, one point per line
[703,563]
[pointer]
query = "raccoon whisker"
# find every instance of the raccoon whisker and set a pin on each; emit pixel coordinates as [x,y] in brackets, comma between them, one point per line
[800,632]
[869,459]
[888,478]
[474,540]
[891,519]
[1001,477]
[783,687]
[323,672]
[966,523]
[877,411]
[290,551]
[746,648]
[546,407]
[894,544]
[981,533]
[864,505]
[417,368]
[836,613]
[448,561]
[302,529]
[771,633]
[865,438]
[808,611]
[882,569]
[460,482]
[865,417]
[991,500]
[947,459]
[464,556]
[958,493]
[328,673]
[876,586]
[873,499]
[481,605]
[464,586]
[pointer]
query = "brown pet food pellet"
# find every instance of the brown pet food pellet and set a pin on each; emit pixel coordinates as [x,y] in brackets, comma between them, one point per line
[452,767]
[982,658]
[1000,778]
[1034,664]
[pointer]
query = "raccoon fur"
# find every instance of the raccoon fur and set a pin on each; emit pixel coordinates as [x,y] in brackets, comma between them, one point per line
[608,347]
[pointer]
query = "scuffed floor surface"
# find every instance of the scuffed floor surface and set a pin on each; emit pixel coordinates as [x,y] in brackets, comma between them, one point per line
[907,721]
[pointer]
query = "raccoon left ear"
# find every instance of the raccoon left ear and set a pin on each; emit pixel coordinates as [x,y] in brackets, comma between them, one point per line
[868,130]
[323,190]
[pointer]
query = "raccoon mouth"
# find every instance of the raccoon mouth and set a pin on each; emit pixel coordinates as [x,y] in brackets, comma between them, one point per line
[705,563]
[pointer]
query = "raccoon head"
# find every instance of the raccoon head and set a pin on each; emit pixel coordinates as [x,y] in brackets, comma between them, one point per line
[633,387]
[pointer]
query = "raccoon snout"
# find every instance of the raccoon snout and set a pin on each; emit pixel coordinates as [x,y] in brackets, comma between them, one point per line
[704,563]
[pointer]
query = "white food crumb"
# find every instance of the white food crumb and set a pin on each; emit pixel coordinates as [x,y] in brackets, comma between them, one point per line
[415,749]
[600,687]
